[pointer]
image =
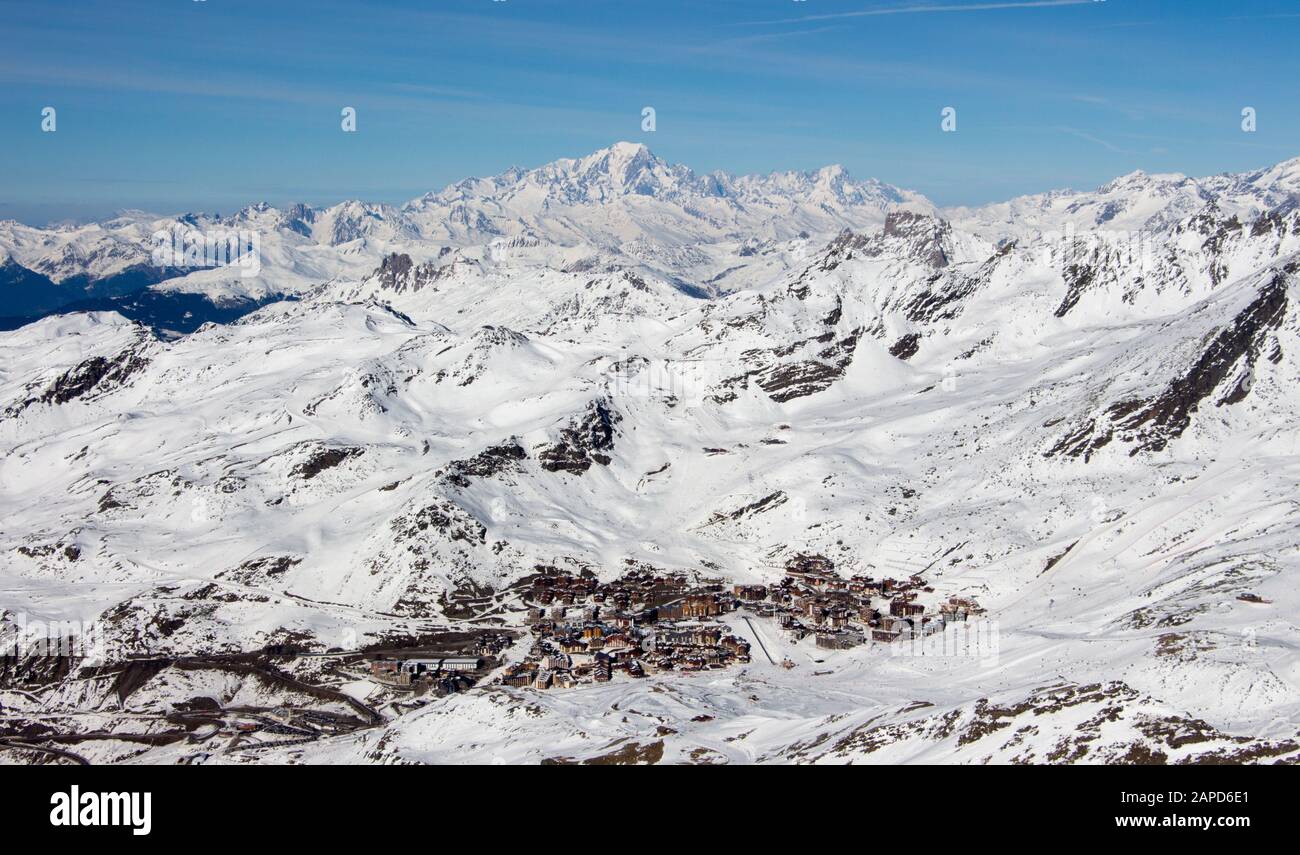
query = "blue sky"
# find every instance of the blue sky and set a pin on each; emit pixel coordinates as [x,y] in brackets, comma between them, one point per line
[173,105]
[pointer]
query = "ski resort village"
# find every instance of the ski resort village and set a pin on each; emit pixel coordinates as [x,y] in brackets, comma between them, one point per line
[586,631]
[553,630]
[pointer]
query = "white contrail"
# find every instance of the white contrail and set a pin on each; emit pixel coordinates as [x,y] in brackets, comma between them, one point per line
[950,7]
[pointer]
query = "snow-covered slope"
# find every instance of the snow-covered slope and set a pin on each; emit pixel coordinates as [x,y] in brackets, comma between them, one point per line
[1134,202]
[1090,432]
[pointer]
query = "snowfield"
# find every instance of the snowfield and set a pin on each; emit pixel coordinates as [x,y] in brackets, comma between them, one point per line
[1079,408]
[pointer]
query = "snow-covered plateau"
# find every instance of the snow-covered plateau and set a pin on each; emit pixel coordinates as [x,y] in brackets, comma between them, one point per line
[1077,409]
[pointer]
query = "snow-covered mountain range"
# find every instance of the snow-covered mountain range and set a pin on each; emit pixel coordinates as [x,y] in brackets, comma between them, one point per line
[1078,408]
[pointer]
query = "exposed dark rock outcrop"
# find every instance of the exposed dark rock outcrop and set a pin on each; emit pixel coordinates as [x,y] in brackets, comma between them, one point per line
[585,441]
[927,237]
[1078,277]
[491,461]
[325,458]
[444,517]
[88,379]
[906,347]
[258,571]
[942,298]
[398,273]
[784,380]
[918,237]
[767,503]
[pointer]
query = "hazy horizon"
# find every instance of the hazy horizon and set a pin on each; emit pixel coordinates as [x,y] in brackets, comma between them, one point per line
[397,202]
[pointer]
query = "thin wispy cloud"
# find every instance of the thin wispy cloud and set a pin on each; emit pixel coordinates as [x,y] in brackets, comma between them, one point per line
[1083,135]
[931,9]
[772,37]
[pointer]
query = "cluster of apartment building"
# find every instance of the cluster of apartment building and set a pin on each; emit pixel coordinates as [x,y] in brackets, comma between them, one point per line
[588,631]
[812,599]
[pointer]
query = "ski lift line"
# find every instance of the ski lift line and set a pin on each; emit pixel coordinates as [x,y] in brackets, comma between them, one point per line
[759,639]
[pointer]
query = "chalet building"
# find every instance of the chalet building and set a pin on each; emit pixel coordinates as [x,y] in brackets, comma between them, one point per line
[690,636]
[692,607]
[618,641]
[966,603]
[904,608]
[557,662]
[738,647]
[900,627]
[933,623]
[518,678]
[669,611]
[573,645]
[814,580]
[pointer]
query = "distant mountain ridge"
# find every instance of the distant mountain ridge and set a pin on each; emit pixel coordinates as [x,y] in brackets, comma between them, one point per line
[619,207]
